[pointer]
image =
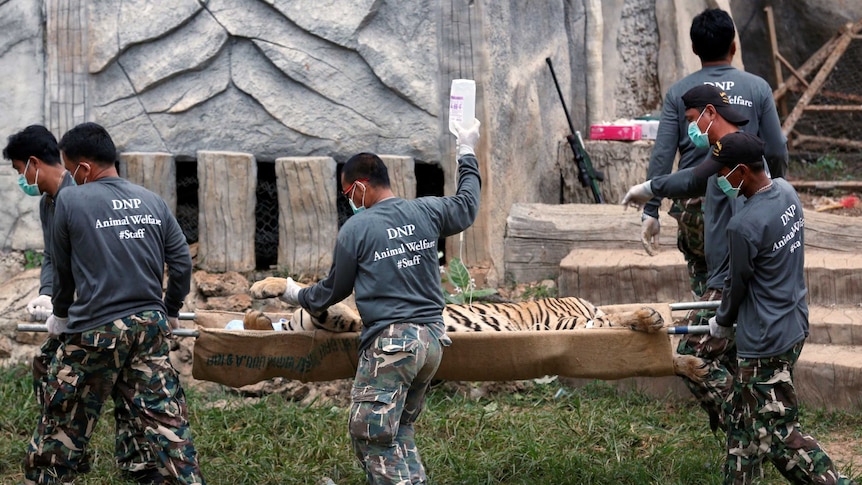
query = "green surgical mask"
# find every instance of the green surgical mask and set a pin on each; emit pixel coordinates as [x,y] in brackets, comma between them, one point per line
[729,190]
[700,140]
[28,188]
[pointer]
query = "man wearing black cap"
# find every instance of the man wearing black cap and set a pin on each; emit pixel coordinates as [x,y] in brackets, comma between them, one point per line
[712,36]
[765,296]
[710,116]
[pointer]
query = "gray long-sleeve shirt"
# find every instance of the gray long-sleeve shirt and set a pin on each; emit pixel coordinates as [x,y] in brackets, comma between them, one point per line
[46,216]
[749,94]
[717,211]
[765,291]
[111,242]
[388,254]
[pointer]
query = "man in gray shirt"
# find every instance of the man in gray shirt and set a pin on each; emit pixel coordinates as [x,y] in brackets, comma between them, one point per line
[764,295]
[711,116]
[111,241]
[35,155]
[387,254]
[712,36]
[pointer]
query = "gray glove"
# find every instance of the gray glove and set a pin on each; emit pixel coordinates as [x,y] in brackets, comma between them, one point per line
[56,325]
[468,137]
[291,293]
[638,195]
[40,308]
[719,331]
[650,229]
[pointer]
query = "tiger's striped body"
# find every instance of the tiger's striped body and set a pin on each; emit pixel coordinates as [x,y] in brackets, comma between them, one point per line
[538,315]
[545,314]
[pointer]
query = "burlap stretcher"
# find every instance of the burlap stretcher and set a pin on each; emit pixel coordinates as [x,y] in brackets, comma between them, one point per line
[238,358]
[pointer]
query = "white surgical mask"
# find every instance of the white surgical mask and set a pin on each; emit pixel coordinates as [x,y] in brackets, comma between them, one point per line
[353,207]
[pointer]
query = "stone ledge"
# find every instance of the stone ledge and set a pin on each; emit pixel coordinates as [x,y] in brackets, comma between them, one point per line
[826,377]
[836,325]
[617,276]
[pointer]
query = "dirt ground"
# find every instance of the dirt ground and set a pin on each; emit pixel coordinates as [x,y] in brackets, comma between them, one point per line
[849,205]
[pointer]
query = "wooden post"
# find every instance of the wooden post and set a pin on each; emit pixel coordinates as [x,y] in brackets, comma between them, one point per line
[818,81]
[813,62]
[624,163]
[461,50]
[66,67]
[227,182]
[402,175]
[154,171]
[307,214]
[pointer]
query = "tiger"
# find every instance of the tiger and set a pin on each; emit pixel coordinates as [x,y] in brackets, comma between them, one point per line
[534,315]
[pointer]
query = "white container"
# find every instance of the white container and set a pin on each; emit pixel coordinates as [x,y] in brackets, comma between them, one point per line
[462,103]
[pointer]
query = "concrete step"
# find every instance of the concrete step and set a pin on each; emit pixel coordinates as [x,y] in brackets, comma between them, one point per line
[539,236]
[830,376]
[826,377]
[617,276]
[836,325]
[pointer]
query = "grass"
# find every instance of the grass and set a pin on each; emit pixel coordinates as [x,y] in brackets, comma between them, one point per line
[546,434]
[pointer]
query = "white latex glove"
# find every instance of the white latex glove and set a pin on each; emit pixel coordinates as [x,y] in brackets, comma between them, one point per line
[650,229]
[638,195]
[56,325]
[468,137]
[174,322]
[40,308]
[291,293]
[719,331]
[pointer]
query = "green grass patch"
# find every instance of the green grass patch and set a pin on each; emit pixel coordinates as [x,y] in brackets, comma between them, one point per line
[546,434]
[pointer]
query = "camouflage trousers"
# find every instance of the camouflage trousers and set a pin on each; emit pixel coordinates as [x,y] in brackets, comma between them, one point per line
[762,422]
[719,356]
[689,240]
[41,364]
[127,360]
[388,395]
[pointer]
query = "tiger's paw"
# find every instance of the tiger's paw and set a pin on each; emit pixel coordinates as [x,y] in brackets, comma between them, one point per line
[256,320]
[690,366]
[270,287]
[648,320]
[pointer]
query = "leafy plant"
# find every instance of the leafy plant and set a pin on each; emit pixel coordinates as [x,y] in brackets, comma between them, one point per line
[32,259]
[463,284]
[829,166]
[539,292]
[825,167]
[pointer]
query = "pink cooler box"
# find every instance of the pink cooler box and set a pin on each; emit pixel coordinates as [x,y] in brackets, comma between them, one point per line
[615,132]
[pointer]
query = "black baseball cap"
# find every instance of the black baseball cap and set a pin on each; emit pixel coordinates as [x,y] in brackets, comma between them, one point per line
[704,94]
[731,150]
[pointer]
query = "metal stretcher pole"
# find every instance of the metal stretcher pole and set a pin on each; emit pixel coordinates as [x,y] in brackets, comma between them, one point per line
[41,327]
[695,305]
[690,305]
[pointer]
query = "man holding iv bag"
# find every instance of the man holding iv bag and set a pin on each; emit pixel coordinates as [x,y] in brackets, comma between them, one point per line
[386,254]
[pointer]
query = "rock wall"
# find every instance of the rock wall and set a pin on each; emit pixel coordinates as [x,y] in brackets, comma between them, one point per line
[276,78]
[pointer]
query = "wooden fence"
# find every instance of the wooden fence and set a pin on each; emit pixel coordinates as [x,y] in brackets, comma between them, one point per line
[307,197]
